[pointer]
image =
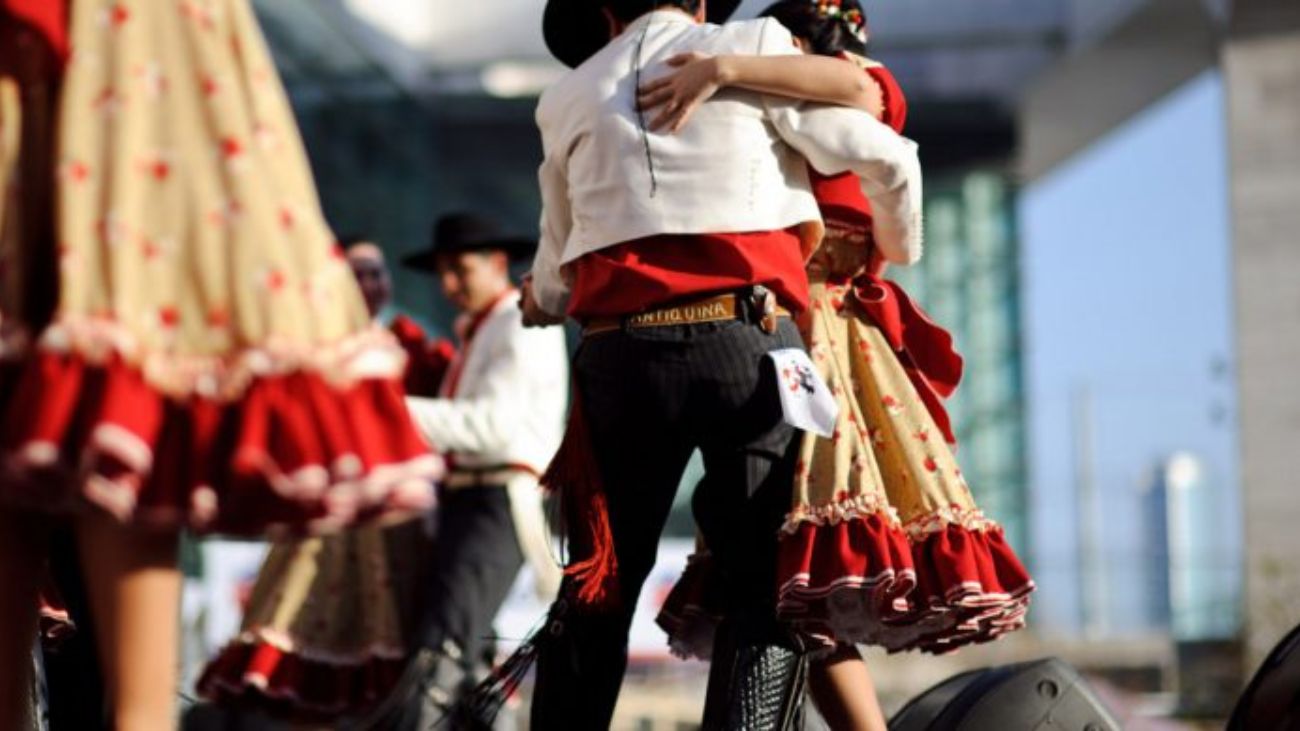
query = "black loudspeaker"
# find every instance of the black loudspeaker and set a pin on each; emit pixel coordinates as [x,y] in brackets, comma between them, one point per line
[1039,695]
[1272,700]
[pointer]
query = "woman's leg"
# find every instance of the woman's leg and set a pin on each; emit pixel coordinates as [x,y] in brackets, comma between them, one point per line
[134,587]
[841,686]
[22,559]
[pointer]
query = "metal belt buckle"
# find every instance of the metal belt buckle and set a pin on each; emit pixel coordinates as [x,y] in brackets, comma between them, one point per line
[765,305]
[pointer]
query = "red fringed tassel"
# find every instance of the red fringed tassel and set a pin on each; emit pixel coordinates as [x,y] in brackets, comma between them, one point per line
[575,476]
[596,576]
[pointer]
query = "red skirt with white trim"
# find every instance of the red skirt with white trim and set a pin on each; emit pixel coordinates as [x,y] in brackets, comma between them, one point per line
[182,343]
[884,544]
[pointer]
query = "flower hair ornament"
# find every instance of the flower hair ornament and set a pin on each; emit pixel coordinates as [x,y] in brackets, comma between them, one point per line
[852,18]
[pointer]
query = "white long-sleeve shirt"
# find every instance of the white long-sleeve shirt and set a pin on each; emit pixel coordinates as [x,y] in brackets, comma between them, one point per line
[510,392]
[740,165]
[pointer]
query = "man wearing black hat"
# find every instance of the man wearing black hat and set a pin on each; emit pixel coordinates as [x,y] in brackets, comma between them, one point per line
[683,256]
[498,419]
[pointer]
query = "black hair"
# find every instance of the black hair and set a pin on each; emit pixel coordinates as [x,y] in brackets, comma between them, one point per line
[629,10]
[824,35]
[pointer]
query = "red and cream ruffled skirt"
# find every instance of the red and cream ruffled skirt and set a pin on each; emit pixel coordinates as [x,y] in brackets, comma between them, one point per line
[884,544]
[328,628]
[181,342]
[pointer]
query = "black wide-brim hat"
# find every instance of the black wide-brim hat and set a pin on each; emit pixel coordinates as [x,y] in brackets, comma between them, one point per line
[460,232]
[576,29]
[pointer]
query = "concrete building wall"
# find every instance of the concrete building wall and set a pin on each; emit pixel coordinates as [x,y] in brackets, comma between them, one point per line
[1262,66]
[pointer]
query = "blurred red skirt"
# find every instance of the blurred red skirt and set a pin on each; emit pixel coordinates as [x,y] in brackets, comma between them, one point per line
[181,342]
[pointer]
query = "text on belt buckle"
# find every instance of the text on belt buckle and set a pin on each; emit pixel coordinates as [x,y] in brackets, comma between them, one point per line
[707,311]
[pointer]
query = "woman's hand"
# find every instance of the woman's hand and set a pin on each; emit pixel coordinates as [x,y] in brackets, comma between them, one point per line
[677,95]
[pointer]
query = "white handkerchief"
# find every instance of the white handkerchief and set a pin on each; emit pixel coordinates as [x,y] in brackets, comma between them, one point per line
[805,399]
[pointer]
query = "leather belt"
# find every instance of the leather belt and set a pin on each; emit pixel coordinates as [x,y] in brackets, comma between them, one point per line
[718,308]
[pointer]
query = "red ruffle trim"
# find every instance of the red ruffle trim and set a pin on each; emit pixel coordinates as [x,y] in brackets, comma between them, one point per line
[863,558]
[295,452]
[296,687]
[862,580]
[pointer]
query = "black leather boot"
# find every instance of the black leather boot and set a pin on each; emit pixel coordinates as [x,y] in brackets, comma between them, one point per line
[757,680]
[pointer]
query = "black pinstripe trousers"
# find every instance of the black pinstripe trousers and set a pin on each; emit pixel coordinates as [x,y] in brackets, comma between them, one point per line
[651,397]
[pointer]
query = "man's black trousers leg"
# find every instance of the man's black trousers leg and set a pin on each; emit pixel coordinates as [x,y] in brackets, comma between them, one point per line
[650,398]
[475,557]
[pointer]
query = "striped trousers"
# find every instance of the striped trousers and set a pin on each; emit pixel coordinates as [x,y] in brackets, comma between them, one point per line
[651,397]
